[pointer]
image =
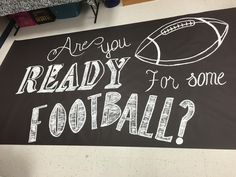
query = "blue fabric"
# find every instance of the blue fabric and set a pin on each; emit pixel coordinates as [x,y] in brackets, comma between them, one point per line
[111,3]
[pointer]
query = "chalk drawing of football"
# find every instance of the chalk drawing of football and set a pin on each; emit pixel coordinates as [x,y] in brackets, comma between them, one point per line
[183,41]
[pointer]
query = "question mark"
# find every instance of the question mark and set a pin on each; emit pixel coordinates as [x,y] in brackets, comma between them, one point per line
[191,110]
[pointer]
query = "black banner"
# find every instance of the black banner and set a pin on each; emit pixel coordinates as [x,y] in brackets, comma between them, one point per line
[162,83]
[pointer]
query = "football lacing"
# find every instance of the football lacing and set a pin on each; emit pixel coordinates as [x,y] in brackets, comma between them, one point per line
[177,26]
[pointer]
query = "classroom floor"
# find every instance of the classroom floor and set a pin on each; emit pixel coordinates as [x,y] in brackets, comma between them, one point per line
[66,161]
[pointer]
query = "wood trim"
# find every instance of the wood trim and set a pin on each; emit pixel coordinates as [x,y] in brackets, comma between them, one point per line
[129,2]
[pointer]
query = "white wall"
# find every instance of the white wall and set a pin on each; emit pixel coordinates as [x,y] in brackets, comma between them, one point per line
[66,161]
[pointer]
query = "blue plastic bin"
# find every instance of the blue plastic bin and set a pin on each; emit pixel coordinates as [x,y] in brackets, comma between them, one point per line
[66,10]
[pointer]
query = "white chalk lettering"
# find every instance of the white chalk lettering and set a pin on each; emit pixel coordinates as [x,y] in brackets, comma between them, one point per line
[147,115]
[115,69]
[29,81]
[49,78]
[111,114]
[88,81]
[163,122]
[72,78]
[92,74]
[77,51]
[94,105]
[57,120]
[164,81]
[77,116]
[191,110]
[130,109]
[34,123]
[111,111]
[205,79]
[113,46]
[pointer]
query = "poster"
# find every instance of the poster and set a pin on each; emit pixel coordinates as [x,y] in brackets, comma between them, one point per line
[161,83]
